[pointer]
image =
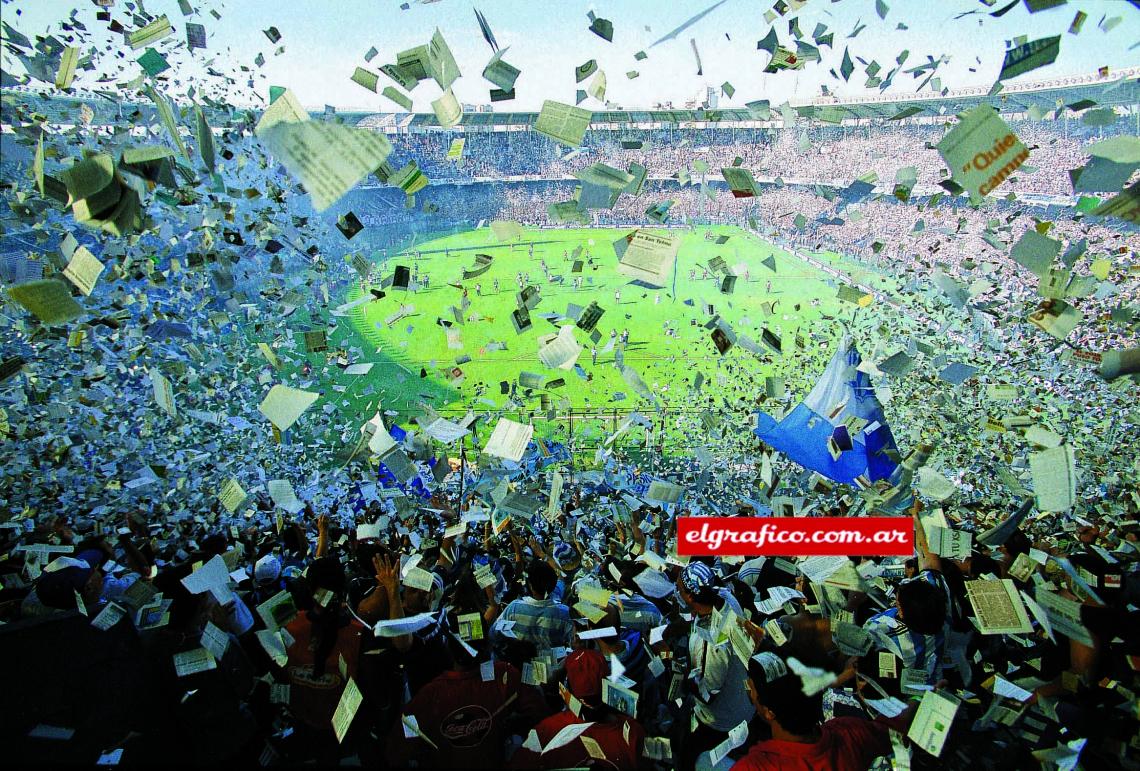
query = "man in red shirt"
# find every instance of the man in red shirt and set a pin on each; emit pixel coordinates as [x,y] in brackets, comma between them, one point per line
[609,740]
[464,715]
[799,742]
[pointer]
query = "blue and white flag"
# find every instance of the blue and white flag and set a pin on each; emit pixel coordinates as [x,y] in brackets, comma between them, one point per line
[839,430]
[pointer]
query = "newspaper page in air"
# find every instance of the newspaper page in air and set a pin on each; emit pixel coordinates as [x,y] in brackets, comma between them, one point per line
[998,607]
[509,440]
[650,257]
[283,405]
[563,123]
[932,721]
[163,393]
[1064,616]
[982,151]
[561,351]
[329,159]
[83,270]
[1054,478]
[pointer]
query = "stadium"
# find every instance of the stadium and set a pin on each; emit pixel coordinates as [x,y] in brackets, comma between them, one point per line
[346,436]
[509,170]
[515,169]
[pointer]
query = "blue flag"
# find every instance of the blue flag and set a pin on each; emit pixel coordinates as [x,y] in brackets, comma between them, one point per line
[839,430]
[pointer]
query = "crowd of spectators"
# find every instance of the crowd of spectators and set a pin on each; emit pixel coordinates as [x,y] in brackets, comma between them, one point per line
[810,153]
[480,649]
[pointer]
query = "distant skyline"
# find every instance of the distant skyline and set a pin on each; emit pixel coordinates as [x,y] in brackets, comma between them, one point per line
[325,42]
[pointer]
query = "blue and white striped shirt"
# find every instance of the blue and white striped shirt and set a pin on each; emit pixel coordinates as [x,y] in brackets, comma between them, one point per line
[637,612]
[545,623]
[917,651]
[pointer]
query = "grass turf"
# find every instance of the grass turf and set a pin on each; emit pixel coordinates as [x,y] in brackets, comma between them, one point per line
[415,363]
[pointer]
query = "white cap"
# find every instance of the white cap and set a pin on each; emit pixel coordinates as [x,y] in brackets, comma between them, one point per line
[267,569]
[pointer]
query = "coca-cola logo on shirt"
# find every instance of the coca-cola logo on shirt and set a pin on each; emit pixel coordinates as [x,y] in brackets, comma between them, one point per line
[466,726]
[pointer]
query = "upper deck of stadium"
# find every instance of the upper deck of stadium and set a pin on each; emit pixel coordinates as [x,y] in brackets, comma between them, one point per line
[1066,96]
[1119,89]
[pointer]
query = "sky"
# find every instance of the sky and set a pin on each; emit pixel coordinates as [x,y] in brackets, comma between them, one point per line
[325,40]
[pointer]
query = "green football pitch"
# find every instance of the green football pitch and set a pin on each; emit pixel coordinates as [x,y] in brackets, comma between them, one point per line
[470,364]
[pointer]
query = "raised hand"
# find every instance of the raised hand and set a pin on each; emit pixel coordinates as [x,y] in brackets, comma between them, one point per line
[387,574]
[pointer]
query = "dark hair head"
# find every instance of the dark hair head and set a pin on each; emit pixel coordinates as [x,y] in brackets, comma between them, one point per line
[784,696]
[327,573]
[541,578]
[58,589]
[923,606]
[215,543]
[464,594]
[291,541]
[185,605]
[980,564]
[431,554]
[1017,543]
[706,595]
[365,551]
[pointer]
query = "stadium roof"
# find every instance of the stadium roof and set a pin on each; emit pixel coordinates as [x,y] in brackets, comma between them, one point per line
[1118,89]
